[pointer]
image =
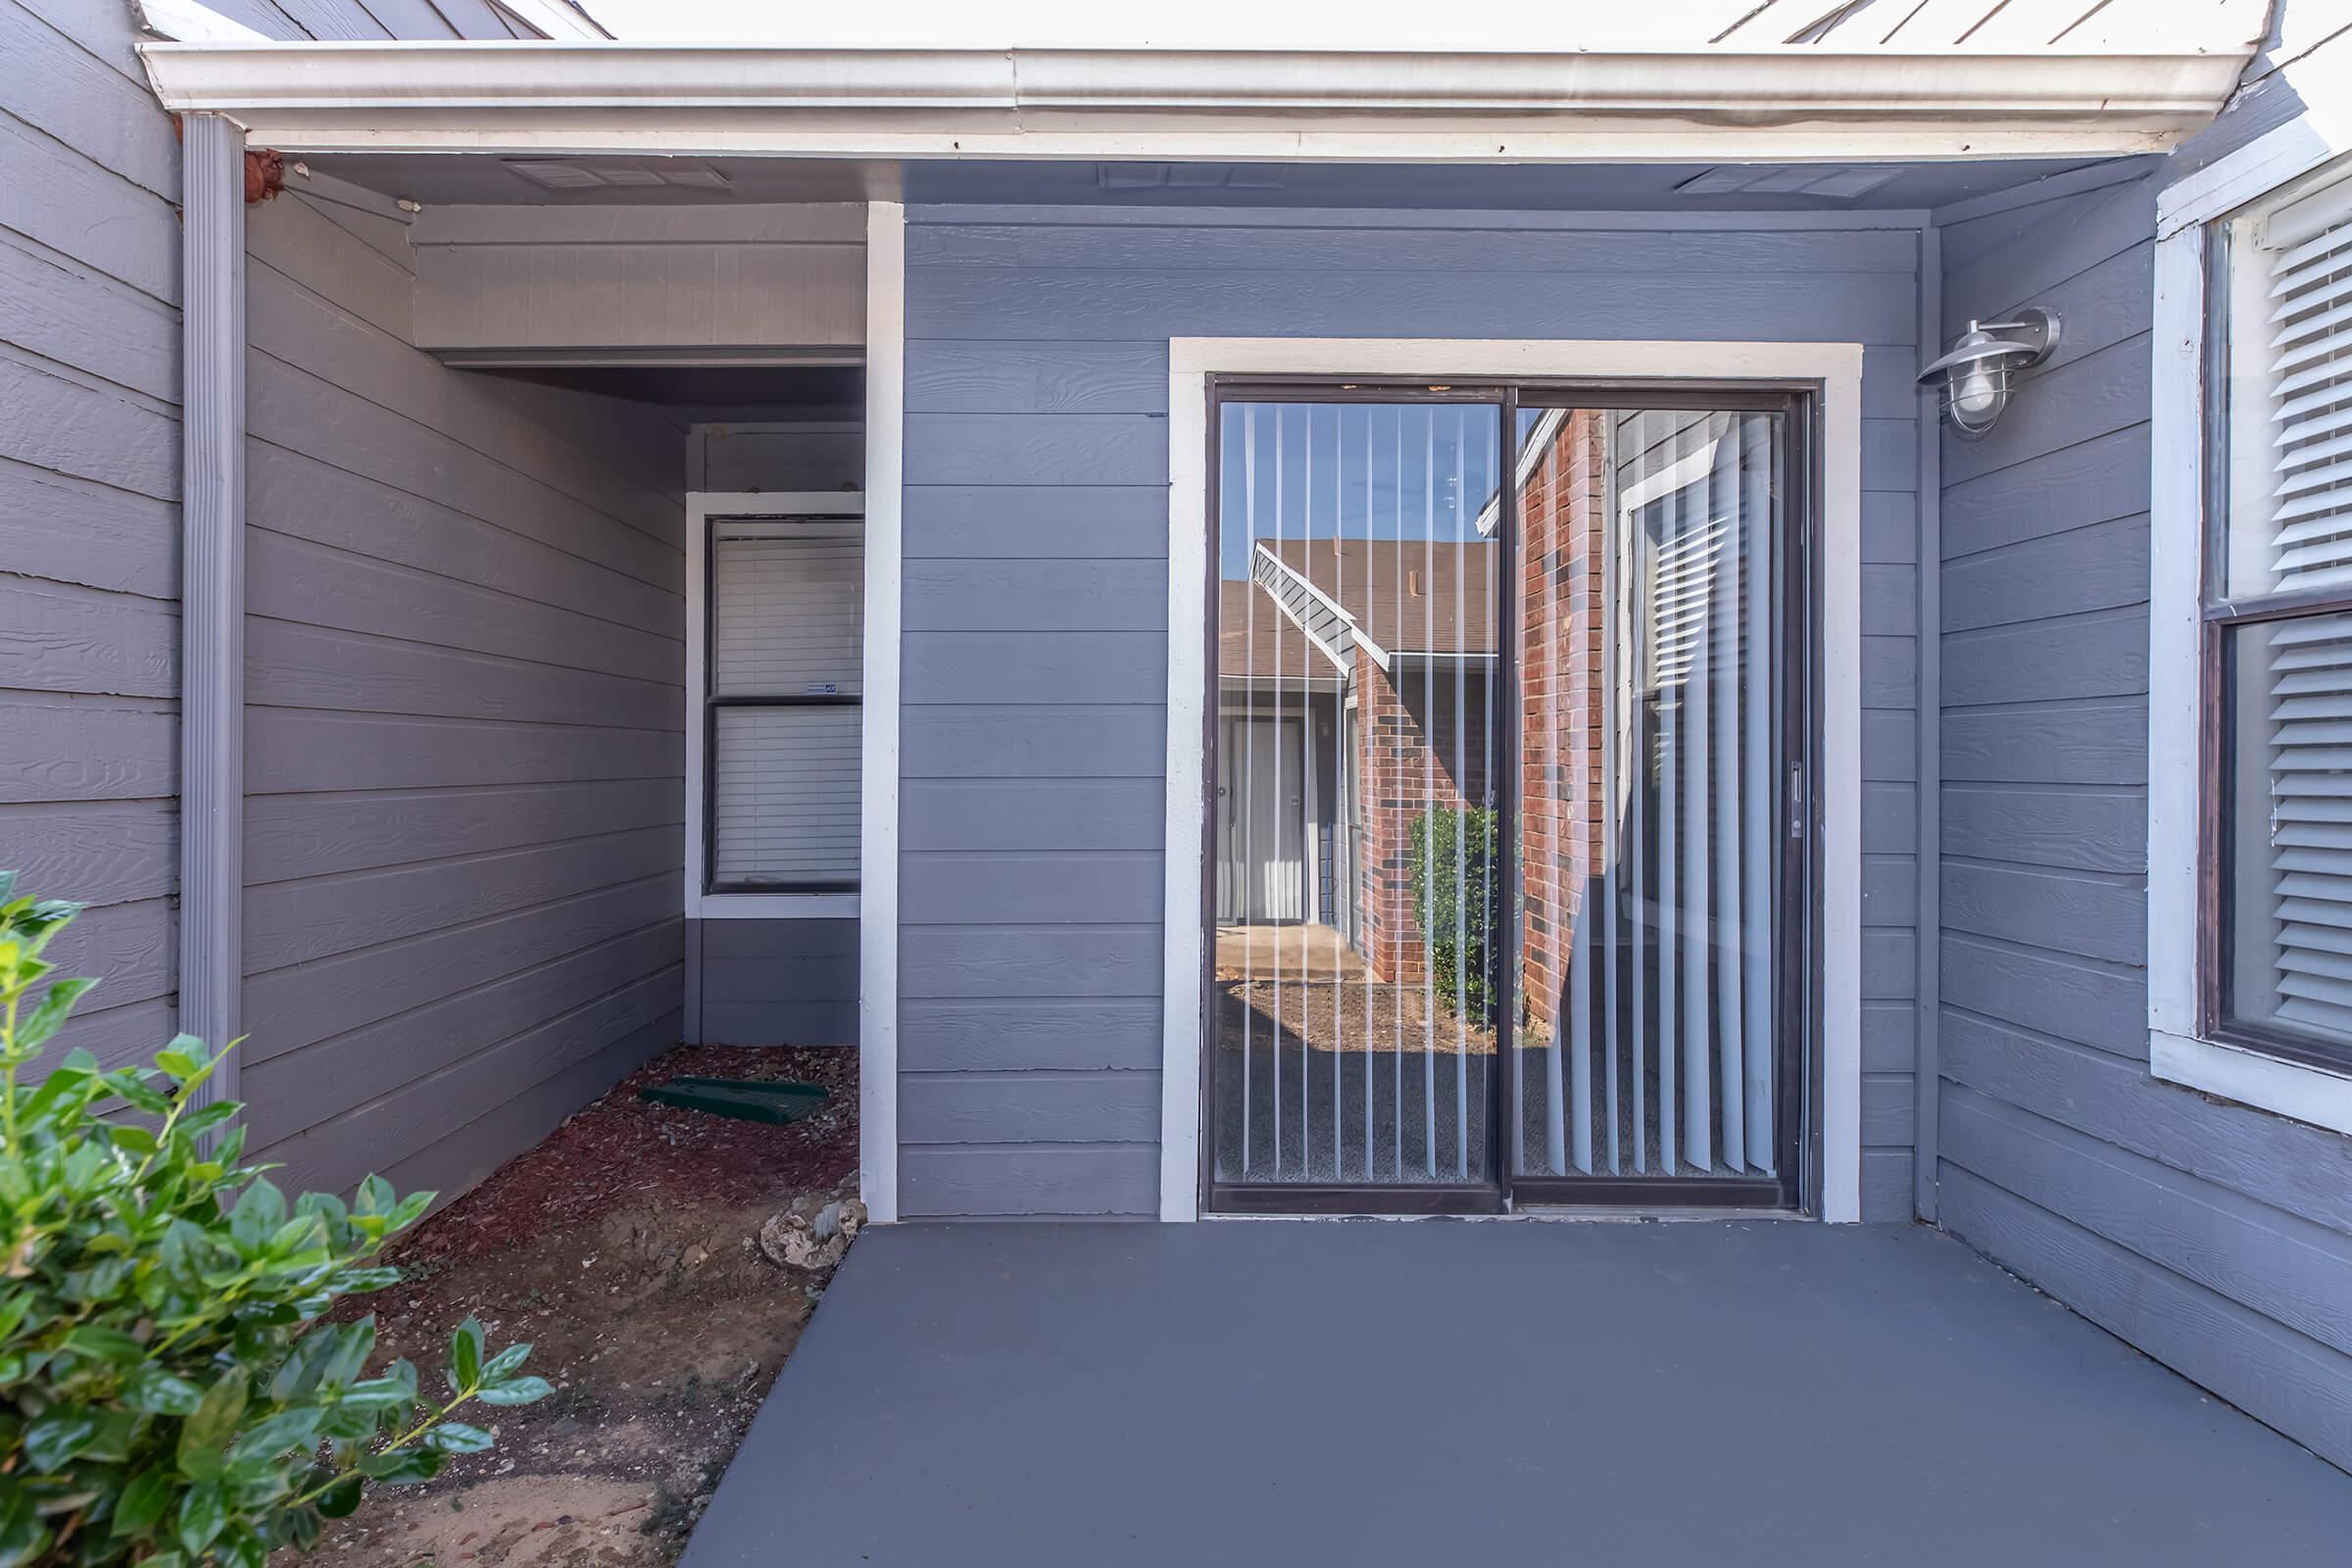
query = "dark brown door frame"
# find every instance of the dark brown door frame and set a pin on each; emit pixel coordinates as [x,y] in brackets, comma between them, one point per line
[1797,490]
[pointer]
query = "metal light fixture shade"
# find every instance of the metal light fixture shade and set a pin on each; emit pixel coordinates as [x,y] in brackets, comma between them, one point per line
[1979,374]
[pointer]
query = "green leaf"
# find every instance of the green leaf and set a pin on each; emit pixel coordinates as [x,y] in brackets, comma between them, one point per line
[373,1196]
[352,1349]
[456,1437]
[136,1138]
[239,1548]
[505,1363]
[39,1027]
[381,1393]
[295,1234]
[142,1502]
[465,1354]
[203,1510]
[402,1467]
[516,1390]
[288,1430]
[207,1433]
[338,1500]
[151,1391]
[105,1345]
[112,1443]
[23,1534]
[260,1210]
[298,1375]
[56,1435]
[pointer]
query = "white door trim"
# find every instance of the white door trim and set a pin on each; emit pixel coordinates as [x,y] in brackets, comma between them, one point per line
[1835,367]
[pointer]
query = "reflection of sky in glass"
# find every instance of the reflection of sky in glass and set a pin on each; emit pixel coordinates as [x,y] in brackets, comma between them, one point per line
[1352,471]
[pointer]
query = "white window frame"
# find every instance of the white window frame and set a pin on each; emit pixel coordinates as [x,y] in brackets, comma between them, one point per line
[701,507]
[2177,523]
[1835,367]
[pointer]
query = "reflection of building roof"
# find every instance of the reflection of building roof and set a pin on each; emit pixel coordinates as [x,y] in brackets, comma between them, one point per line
[1410,596]
[1257,640]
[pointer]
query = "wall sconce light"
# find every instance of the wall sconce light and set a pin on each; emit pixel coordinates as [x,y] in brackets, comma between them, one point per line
[1979,373]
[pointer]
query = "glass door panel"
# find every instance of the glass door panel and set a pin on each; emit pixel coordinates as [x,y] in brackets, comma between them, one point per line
[1358,885]
[1648,719]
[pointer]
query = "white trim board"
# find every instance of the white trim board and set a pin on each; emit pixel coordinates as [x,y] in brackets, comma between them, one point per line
[701,507]
[878,838]
[1835,367]
[2176,530]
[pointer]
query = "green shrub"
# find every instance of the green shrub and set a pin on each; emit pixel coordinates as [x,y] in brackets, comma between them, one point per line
[1456,902]
[169,1395]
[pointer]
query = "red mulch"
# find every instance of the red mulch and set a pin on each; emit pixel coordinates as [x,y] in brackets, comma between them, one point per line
[621,1149]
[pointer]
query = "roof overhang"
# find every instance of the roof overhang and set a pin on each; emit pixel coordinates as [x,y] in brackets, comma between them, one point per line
[1697,104]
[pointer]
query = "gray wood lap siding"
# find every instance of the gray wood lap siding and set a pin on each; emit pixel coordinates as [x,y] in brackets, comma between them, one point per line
[90,492]
[2217,1238]
[89,483]
[1036,637]
[464,726]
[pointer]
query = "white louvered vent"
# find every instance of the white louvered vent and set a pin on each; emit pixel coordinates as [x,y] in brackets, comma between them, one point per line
[2308,244]
[787,610]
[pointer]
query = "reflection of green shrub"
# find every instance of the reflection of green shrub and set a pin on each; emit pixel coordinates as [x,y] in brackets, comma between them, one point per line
[1457,903]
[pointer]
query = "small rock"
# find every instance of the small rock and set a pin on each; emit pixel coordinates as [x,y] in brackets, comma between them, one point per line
[814,1232]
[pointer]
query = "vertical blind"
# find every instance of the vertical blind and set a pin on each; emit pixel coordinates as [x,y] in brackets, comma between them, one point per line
[1355,853]
[1647,727]
[1363,726]
[787,641]
[2292,442]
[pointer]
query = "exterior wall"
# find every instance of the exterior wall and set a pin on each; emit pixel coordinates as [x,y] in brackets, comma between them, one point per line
[465,741]
[89,480]
[2216,1238]
[710,275]
[778,982]
[1035,644]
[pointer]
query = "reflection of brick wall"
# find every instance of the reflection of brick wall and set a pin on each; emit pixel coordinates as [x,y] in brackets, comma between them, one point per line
[1563,510]
[1408,764]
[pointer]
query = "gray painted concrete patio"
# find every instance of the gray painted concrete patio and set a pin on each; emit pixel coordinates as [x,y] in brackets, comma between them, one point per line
[1367,1392]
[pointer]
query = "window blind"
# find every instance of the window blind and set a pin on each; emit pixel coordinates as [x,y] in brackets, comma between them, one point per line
[2308,661]
[787,652]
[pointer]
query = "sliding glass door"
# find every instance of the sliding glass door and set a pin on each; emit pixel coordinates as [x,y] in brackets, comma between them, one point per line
[1646,1026]
[1502,743]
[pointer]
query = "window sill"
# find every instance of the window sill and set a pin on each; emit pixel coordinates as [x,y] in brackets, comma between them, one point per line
[772,907]
[2293,1088]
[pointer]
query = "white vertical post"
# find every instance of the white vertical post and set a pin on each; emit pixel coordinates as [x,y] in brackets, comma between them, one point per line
[878,816]
[212,803]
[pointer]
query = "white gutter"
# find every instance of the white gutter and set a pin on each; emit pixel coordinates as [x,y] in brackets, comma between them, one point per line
[1696,104]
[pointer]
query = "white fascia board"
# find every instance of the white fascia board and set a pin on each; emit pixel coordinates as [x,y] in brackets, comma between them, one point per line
[1783,104]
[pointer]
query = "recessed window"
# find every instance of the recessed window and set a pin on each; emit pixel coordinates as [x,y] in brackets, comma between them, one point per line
[2278,624]
[783,708]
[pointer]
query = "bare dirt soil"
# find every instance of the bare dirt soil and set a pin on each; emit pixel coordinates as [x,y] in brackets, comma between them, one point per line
[624,1248]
